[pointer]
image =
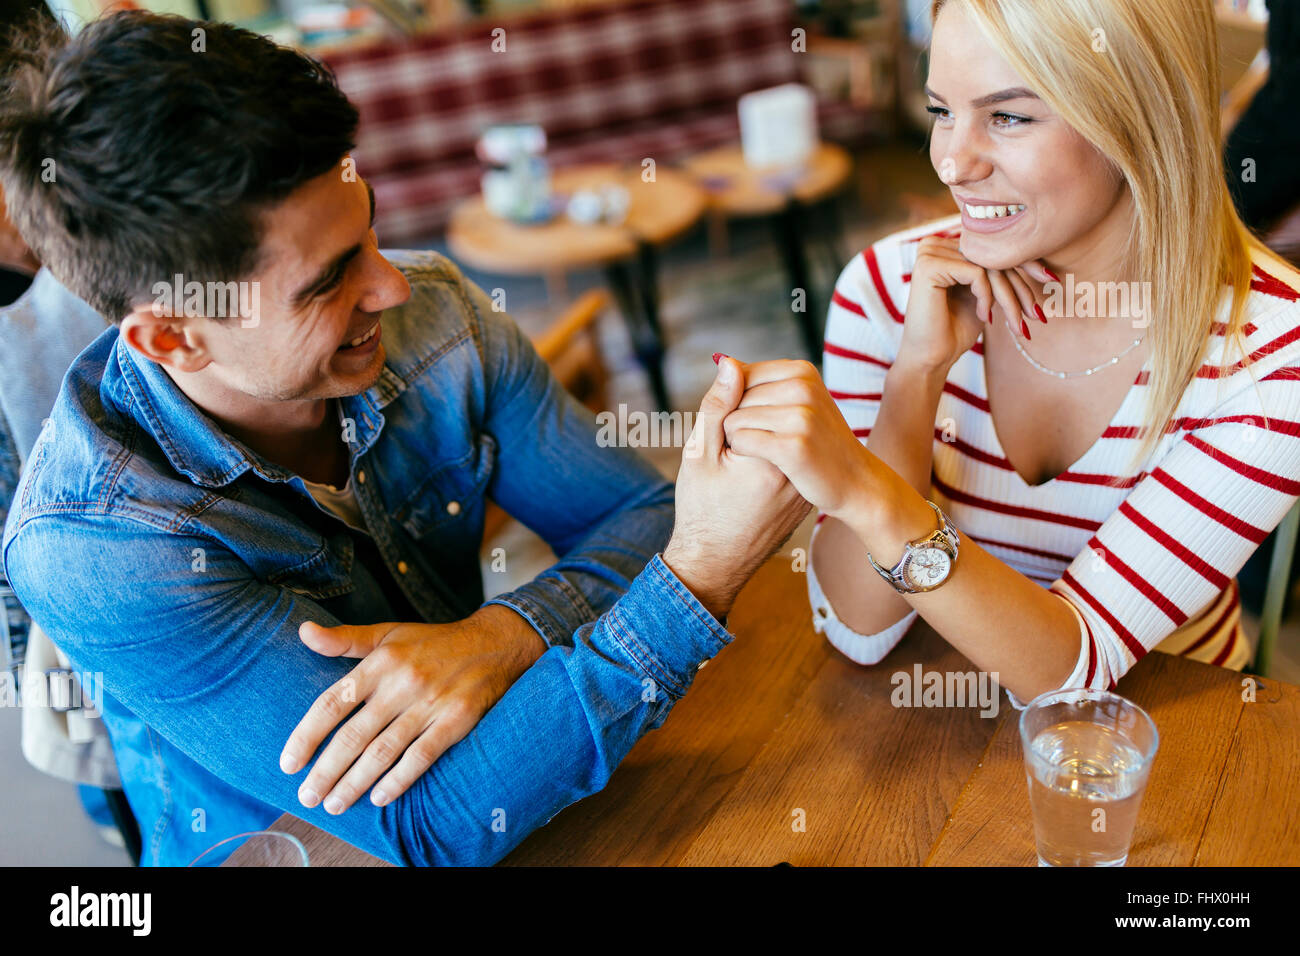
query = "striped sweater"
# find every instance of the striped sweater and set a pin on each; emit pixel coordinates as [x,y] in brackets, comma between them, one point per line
[1150,562]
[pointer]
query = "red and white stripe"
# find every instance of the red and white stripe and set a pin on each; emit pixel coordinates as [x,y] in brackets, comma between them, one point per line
[1146,557]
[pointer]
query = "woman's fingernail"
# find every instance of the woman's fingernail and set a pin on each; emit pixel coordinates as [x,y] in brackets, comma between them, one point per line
[716,356]
[333,805]
[378,797]
[1055,277]
[1024,328]
[308,798]
[1038,311]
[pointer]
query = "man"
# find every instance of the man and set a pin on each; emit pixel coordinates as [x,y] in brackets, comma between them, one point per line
[285,445]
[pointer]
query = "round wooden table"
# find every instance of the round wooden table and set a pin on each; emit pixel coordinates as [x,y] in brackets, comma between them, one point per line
[783,194]
[659,211]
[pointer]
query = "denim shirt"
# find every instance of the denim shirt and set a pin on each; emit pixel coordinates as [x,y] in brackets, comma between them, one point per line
[175,564]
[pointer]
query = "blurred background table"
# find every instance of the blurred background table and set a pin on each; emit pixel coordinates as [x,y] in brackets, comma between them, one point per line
[659,211]
[785,751]
[785,195]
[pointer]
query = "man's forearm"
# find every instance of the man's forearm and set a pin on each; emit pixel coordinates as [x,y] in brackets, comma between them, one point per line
[561,730]
[587,580]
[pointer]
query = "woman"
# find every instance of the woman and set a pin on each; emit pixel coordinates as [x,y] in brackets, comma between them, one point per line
[1109,447]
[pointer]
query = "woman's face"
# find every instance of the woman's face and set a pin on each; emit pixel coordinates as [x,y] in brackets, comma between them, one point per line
[995,144]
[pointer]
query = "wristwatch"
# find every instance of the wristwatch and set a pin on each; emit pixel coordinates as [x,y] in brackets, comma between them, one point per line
[927,562]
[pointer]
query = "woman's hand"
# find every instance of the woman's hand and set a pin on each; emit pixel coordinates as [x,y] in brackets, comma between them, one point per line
[952,300]
[789,419]
[424,687]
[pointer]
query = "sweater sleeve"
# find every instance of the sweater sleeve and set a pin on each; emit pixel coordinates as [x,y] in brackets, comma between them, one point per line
[1180,537]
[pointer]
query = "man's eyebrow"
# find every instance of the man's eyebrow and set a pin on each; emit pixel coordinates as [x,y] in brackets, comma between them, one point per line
[1015,93]
[336,265]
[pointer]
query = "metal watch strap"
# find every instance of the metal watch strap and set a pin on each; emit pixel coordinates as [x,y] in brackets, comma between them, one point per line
[894,575]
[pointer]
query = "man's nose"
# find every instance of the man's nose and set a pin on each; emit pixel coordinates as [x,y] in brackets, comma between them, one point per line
[388,287]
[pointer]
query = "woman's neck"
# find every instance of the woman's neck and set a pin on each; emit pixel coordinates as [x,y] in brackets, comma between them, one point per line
[1093,268]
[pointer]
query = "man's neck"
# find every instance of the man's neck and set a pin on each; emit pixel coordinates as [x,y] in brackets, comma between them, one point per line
[303,436]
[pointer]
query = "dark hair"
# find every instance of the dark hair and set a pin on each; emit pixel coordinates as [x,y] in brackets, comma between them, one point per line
[149,145]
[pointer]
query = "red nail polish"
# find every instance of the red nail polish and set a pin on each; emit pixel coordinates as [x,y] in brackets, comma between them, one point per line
[1038,311]
[1024,329]
[716,356]
[1054,276]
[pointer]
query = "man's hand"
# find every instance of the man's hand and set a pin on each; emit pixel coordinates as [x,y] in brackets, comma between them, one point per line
[424,687]
[732,511]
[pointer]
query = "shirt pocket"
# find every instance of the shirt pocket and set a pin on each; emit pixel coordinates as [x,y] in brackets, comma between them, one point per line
[452,496]
[327,573]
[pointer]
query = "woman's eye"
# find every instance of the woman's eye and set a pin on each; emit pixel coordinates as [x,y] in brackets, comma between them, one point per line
[1012,119]
[1001,120]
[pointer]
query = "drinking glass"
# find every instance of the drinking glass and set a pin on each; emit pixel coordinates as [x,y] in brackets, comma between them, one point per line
[1088,755]
[256,848]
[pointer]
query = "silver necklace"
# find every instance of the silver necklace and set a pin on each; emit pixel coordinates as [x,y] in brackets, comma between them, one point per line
[1078,374]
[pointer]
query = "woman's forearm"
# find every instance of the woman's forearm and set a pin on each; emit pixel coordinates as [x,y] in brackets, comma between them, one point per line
[994,615]
[903,434]
[902,437]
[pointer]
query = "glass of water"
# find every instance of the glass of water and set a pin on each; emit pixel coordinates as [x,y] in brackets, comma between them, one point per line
[1088,754]
[257,848]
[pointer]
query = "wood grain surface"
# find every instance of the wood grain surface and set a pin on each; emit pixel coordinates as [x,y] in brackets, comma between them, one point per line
[785,751]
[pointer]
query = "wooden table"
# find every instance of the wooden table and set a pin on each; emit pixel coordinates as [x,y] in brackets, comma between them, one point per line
[780,729]
[659,211]
[783,194]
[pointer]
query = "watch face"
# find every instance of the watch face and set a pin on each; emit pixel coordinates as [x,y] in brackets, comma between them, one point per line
[928,567]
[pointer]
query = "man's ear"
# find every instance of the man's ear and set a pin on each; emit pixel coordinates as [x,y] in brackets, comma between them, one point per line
[165,339]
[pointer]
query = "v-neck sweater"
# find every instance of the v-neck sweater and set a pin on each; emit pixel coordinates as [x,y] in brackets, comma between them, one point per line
[1145,556]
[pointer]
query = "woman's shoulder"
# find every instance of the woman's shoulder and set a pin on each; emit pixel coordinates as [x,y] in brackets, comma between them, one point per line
[1269,350]
[891,257]
[1271,321]
[875,283]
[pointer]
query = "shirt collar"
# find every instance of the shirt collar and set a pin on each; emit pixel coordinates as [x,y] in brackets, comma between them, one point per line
[196,445]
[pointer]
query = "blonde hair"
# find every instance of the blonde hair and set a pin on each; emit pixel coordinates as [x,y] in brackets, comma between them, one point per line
[1139,80]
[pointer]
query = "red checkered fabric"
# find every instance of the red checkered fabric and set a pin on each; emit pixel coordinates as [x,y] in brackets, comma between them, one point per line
[608,83]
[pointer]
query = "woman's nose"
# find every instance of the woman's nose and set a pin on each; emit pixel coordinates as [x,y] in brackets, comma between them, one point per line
[965,158]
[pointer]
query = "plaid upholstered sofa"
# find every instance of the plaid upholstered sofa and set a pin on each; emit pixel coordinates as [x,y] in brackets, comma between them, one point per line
[609,83]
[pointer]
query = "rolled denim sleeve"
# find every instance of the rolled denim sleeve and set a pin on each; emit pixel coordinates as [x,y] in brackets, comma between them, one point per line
[213,662]
[603,510]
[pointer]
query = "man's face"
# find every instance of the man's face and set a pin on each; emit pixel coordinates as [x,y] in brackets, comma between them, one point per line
[321,284]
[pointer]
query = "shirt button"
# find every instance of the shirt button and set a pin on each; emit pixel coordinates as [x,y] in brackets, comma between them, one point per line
[401,567]
[361,477]
[453,507]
